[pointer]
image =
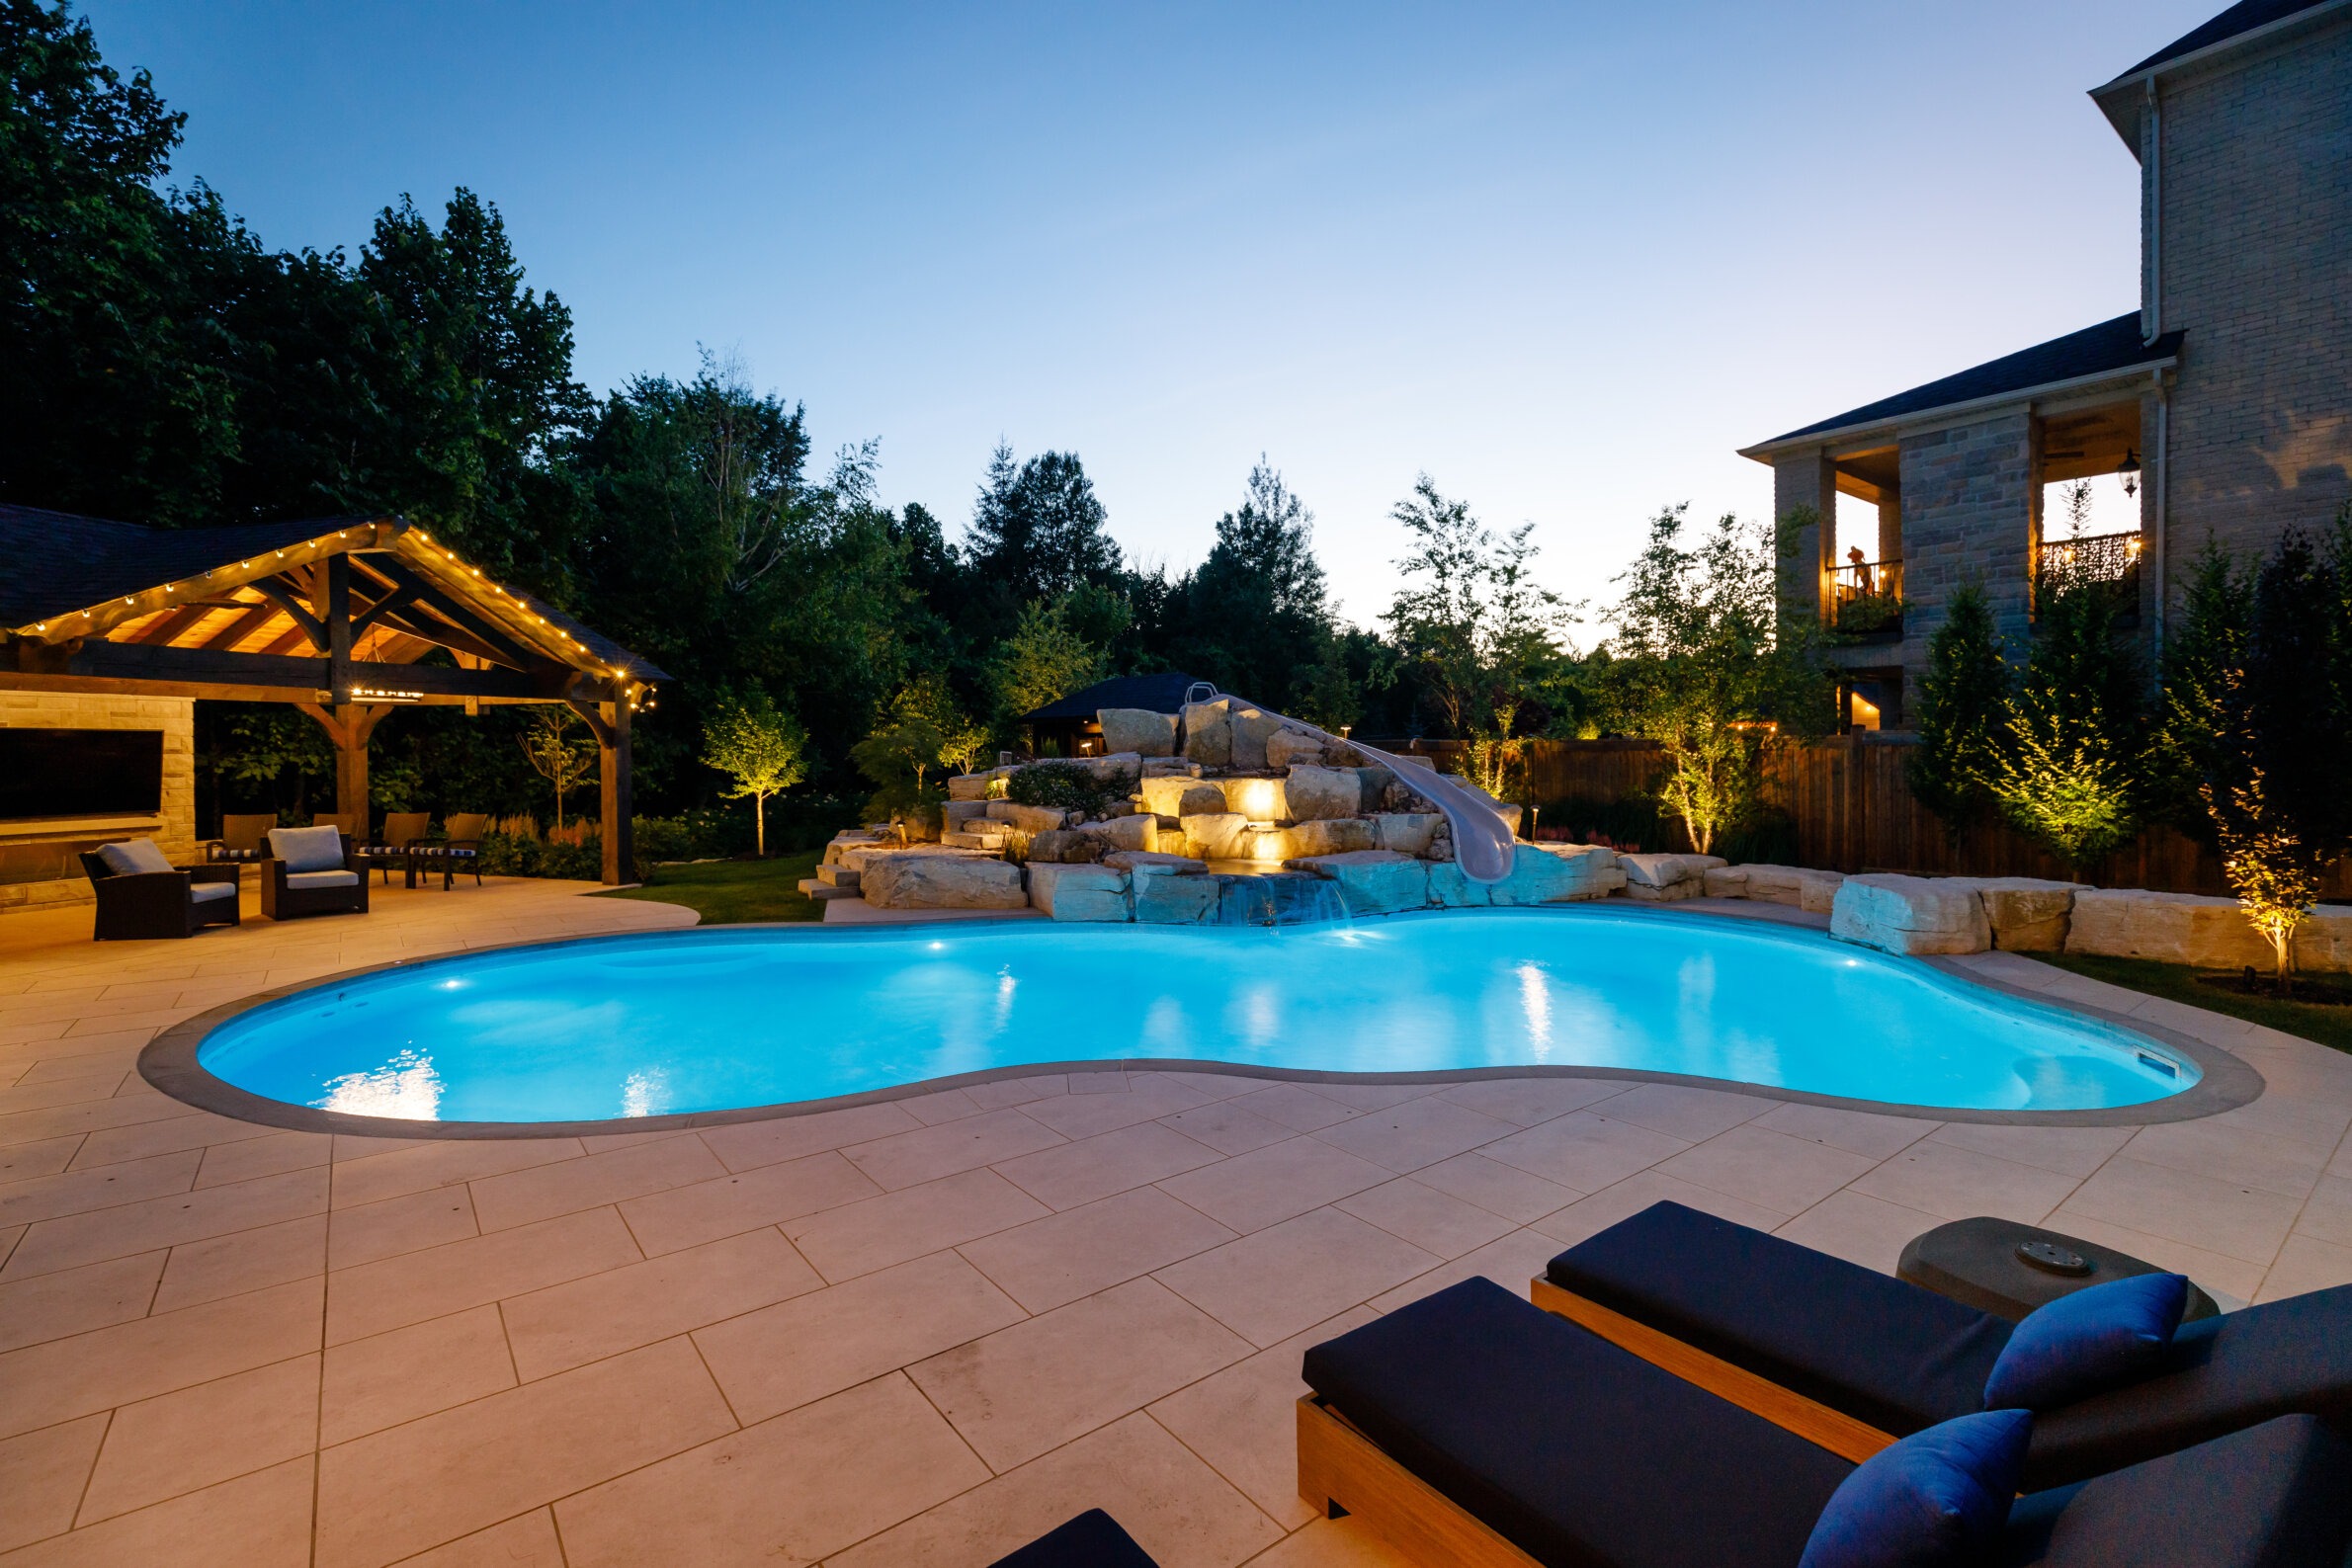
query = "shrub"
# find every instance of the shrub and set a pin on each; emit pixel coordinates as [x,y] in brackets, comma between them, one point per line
[1072,787]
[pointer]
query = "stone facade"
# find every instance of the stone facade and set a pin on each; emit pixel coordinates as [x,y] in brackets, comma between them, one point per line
[1968,514]
[37,864]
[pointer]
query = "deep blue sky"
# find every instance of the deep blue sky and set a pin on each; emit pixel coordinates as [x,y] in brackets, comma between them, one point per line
[1564,258]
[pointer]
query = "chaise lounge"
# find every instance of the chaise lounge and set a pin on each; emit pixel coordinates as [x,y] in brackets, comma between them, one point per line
[1855,1359]
[1470,1427]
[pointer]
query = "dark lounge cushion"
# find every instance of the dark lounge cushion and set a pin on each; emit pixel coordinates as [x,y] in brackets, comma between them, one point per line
[1935,1500]
[2219,1375]
[1577,1451]
[1091,1540]
[2088,1342]
[2274,1496]
[1858,1341]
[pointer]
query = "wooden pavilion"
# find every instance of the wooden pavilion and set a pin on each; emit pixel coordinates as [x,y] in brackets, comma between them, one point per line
[344,617]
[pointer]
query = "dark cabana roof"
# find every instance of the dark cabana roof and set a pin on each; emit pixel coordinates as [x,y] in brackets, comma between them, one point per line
[2094,351]
[1157,694]
[2245,17]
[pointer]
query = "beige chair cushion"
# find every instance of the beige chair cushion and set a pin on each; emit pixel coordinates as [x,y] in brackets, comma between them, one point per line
[206,892]
[307,849]
[321,879]
[133,856]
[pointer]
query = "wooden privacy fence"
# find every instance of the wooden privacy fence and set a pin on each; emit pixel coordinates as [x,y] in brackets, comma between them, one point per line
[1854,811]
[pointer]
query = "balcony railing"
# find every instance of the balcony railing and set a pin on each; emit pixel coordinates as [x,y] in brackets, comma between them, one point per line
[1865,599]
[2107,560]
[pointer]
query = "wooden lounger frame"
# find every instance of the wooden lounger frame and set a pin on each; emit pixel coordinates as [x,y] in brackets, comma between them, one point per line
[1809,1419]
[1343,1471]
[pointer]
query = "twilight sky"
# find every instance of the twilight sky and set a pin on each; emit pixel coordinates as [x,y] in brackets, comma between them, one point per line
[1564,258]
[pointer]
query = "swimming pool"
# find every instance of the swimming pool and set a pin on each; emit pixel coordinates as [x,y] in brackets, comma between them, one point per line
[708,1021]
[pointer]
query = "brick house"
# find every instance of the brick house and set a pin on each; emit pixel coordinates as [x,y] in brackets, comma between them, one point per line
[2227,396]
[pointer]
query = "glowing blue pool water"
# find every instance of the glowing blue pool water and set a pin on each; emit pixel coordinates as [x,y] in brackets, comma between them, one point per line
[719,1020]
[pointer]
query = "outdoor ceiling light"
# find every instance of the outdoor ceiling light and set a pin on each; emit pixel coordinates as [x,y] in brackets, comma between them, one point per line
[2129,471]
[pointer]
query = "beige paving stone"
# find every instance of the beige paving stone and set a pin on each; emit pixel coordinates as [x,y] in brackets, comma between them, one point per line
[183,1441]
[378,1296]
[793,1489]
[877,1232]
[1216,1085]
[528,1540]
[396,1491]
[1768,1168]
[247,1158]
[2306,1263]
[583,1320]
[2327,1213]
[42,1476]
[1681,1112]
[1584,1150]
[1049,1262]
[1147,1096]
[242,1261]
[1861,1229]
[2070,1151]
[1418,1133]
[2289,1113]
[1369,1097]
[2227,1217]
[1073,1173]
[1182,1513]
[1589,1216]
[395,1225]
[906,1159]
[1510,1262]
[65,1091]
[1244,1420]
[421,1167]
[78,1192]
[2211,1147]
[757,1197]
[24,1161]
[1270,1284]
[167,1221]
[1940,1178]
[1294,1106]
[51,1306]
[383,1380]
[1505,1190]
[2231,1280]
[1524,1102]
[523,1197]
[1431,1220]
[1331,1543]
[802,1349]
[997,1093]
[946,1104]
[1035,1385]
[1857,1131]
[742,1145]
[1267,1186]
[258,1521]
[1226,1127]
[154,1135]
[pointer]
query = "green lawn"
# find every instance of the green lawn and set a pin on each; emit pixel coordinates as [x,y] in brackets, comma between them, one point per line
[2330,1026]
[731,892]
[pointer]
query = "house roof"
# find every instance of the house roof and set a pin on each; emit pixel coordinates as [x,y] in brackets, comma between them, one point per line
[2104,349]
[1156,693]
[2240,19]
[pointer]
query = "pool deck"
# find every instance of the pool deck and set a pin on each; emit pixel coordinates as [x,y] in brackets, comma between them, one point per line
[913,1332]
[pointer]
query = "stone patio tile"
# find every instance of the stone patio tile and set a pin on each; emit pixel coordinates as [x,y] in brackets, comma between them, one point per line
[945,1104]
[816,1345]
[24,1161]
[1499,1189]
[1939,1177]
[1590,1216]
[2327,1213]
[1369,1097]
[1071,1173]
[2306,1263]
[78,1192]
[150,1134]
[1417,1133]
[877,1232]
[1252,1191]
[2231,1280]
[2216,1029]
[998,1093]
[2070,1151]
[397,1492]
[2266,1162]
[1294,1106]
[1859,1228]
[728,1206]
[1244,1420]
[2227,1217]
[59,1379]
[1524,1102]
[422,1167]
[1584,1150]
[1056,1259]
[906,1159]
[793,1489]
[10,1235]
[51,1306]
[378,1296]
[583,1320]
[387,1378]
[1035,1385]
[42,1476]
[1768,1168]
[1226,1127]
[528,1540]
[1857,1131]
[101,1081]
[352,1146]
[2290,1112]
[743,1145]
[1431,1220]
[248,1158]
[184,1442]
[1216,1085]
[1270,1284]
[1331,1543]
[1146,1097]
[258,1521]
[1510,1262]
[373,1231]
[1681,1112]
[523,1197]
[1182,1513]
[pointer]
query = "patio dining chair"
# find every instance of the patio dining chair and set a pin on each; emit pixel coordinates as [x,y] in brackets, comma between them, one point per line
[402,837]
[459,849]
[142,895]
[242,837]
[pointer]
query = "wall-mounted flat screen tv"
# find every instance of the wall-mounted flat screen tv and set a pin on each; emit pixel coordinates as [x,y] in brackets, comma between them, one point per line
[80,772]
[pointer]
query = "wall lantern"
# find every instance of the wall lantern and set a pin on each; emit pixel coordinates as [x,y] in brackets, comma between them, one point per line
[2129,471]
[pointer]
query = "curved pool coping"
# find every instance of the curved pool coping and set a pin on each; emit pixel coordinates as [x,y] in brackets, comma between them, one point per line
[170,1064]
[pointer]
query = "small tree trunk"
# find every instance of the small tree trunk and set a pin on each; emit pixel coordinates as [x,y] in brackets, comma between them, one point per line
[759,818]
[2282,947]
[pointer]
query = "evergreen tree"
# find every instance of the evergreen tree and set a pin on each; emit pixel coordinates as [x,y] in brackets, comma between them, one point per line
[2204,643]
[1254,616]
[2071,768]
[1962,699]
[1037,531]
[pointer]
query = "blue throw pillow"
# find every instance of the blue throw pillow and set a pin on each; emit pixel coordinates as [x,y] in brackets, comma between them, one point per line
[2084,1343]
[1934,1499]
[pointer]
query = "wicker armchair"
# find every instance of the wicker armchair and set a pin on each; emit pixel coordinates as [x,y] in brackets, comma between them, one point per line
[146,904]
[298,879]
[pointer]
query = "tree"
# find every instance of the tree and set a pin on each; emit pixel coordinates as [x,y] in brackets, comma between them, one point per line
[961,742]
[1701,665]
[2070,769]
[556,755]
[1254,616]
[2203,645]
[1044,661]
[1963,712]
[761,749]
[1037,531]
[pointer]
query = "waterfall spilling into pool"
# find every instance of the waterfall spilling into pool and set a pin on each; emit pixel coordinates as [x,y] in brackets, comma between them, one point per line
[708,1021]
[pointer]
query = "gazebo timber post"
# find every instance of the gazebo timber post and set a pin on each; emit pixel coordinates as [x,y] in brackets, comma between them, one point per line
[607,712]
[348,727]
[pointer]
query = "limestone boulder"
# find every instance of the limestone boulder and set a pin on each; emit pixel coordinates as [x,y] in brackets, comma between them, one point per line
[1555,873]
[1729,881]
[1407,831]
[1216,835]
[967,787]
[942,879]
[1031,820]
[1372,881]
[1313,794]
[956,813]
[1450,887]
[1816,891]
[1137,729]
[2171,928]
[1325,836]
[1136,832]
[1152,863]
[1079,892]
[1209,732]
[2323,941]
[2028,914]
[1180,796]
[1797,887]
[1260,798]
[1063,847]
[1287,748]
[1666,878]
[1911,915]
[1116,768]
[1168,897]
[1252,728]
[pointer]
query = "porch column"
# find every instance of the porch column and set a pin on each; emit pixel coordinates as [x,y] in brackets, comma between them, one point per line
[620,836]
[348,727]
[1807,482]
